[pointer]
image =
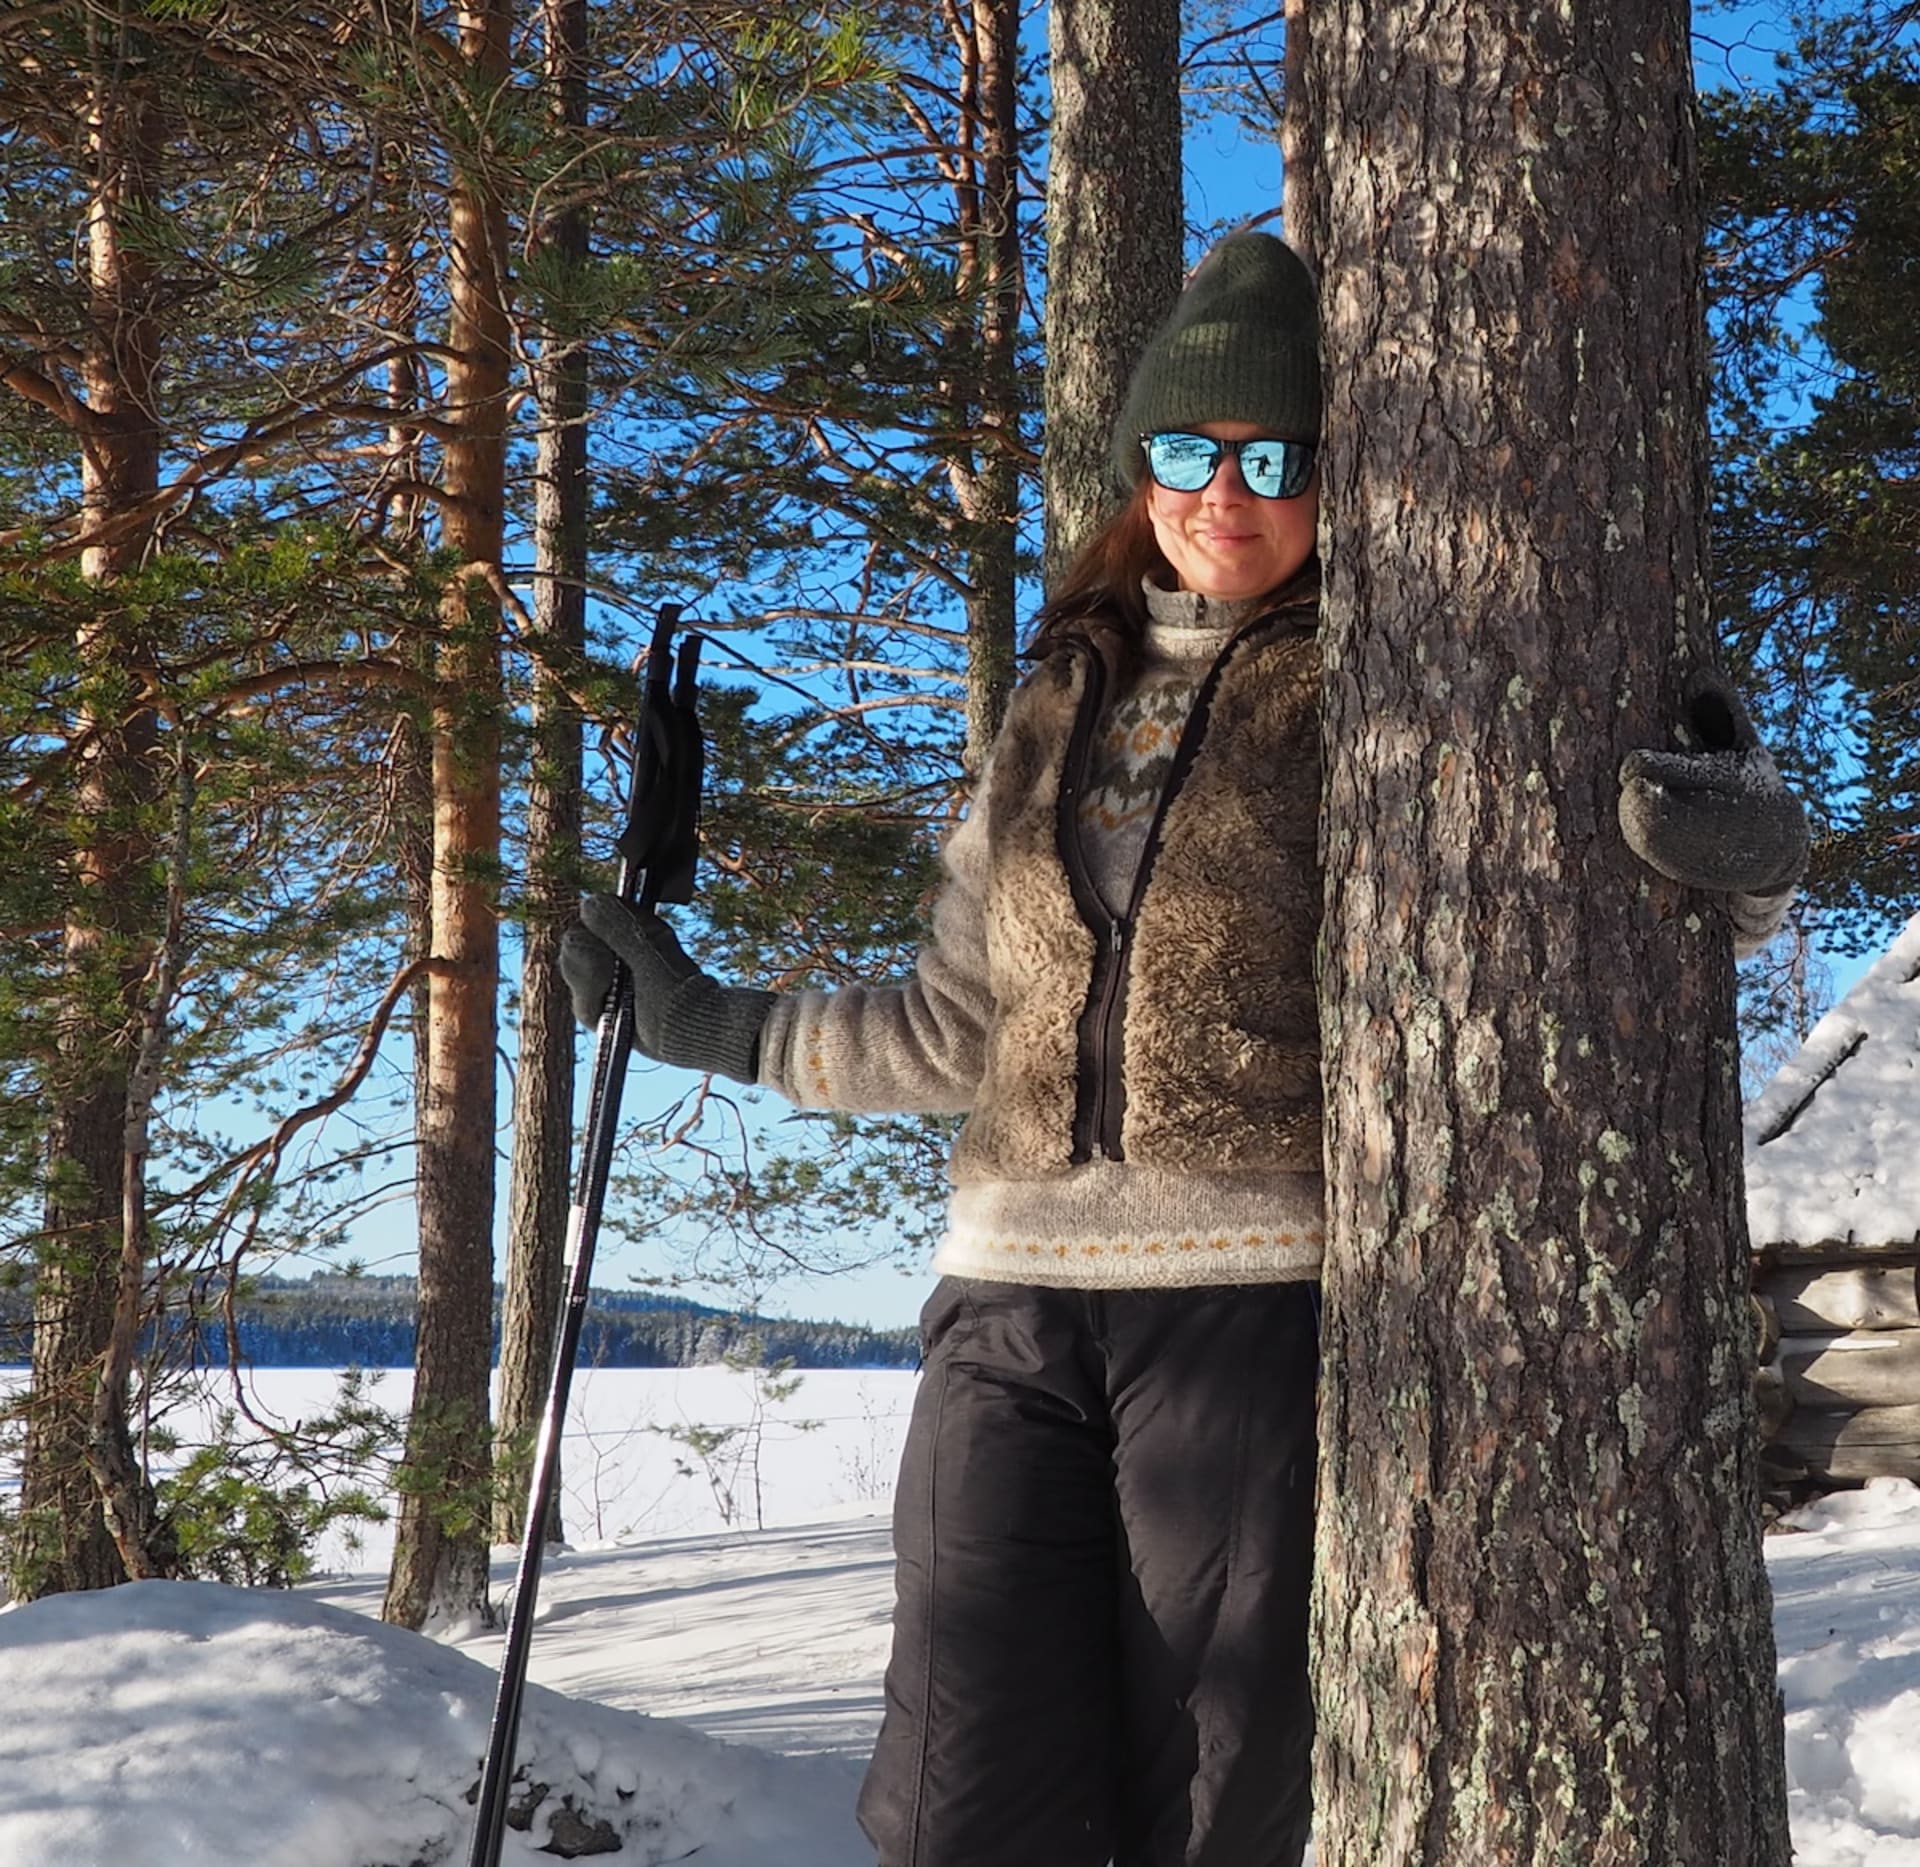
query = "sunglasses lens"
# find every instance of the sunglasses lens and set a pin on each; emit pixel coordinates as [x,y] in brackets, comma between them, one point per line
[1182,463]
[1276,469]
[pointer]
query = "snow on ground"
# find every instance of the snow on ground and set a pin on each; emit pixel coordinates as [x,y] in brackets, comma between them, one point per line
[774,1638]
[711,1696]
[1846,1615]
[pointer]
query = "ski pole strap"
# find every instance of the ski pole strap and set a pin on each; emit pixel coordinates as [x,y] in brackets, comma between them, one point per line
[660,844]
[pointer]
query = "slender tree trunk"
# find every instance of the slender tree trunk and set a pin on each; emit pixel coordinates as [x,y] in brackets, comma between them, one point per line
[401,516]
[1296,132]
[402,511]
[63,1541]
[143,1538]
[439,1572]
[1000,256]
[1115,234]
[543,1086]
[986,478]
[1541,1614]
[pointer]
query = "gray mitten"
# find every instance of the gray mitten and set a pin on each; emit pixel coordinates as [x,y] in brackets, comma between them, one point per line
[1714,814]
[681,1015]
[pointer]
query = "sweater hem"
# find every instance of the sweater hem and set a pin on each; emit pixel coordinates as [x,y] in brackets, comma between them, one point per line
[1174,1262]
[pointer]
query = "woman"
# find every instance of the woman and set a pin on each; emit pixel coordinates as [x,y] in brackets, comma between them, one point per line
[1104,1520]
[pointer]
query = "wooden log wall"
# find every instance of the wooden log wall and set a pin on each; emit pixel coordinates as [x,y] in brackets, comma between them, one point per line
[1839,1391]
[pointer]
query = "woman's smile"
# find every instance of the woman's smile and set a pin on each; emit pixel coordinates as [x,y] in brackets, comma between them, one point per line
[1225,541]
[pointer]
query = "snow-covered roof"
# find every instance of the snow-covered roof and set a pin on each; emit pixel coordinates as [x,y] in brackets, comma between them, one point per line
[1833,1141]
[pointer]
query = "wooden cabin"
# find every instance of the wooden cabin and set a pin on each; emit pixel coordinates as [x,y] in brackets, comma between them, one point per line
[1833,1212]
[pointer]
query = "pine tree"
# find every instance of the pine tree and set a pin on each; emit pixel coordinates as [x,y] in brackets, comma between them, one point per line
[1541,1613]
[132,141]
[543,1081]
[1813,245]
[76,1423]
[440,1552]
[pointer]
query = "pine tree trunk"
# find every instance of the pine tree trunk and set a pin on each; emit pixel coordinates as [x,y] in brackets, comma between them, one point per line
[128,1502]
[63,1541]
[408,770]
[986,478]
[1541,1614]
[991,494]
[439,1572]
[1115,232]
[538,1198]
[1296,131]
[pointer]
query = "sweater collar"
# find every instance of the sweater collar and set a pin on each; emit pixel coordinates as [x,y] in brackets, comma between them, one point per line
[1183,626]
[1188,609]
[1183,622]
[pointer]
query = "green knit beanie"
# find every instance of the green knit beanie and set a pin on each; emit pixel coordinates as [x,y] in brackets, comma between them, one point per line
[1242,344]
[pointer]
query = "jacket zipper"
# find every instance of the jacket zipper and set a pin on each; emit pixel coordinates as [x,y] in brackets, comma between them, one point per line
[1100,1103]
[1109,1091]
[1086,898]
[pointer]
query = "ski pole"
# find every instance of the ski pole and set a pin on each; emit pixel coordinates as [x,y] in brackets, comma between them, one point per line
[658,849]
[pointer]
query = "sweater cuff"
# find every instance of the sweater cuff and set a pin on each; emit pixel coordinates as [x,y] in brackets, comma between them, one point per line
[773,1045]
[1757,918]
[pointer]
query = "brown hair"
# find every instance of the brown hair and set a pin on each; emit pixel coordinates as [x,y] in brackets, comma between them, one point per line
[1099,594]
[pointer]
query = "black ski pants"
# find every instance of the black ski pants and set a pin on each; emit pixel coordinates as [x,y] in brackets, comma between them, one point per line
[1103,1539]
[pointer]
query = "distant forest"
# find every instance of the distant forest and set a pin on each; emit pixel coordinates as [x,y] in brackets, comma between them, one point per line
[368,1322]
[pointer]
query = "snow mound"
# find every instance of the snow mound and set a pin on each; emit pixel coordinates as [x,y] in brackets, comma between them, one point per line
[1881,1503]
[168,1723]
[1847,1621]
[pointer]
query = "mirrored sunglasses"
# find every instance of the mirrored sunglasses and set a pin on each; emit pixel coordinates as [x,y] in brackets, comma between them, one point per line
[1184,463]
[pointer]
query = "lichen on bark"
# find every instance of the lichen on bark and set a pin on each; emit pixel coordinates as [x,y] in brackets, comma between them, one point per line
[1541,1618]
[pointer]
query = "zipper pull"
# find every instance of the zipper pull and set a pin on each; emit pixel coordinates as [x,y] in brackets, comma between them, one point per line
[1118,939]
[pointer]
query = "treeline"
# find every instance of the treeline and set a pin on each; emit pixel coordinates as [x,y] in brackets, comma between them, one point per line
[338,1322]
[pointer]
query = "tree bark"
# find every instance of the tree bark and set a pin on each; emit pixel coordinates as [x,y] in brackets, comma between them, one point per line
[63,1541]
[538,1196]
[141,1534]
[986,471]
[1541,1614]
[1115,237]
[439,1573]
[1296,132]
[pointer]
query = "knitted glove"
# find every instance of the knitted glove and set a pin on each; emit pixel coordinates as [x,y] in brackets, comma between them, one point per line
[680,1014]
[1714,814]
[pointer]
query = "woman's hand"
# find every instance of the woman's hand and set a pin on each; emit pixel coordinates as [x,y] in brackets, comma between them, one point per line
[681,1015]
[1714,814]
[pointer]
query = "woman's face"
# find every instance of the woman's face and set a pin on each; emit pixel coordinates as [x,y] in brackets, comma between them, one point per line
[1225,541]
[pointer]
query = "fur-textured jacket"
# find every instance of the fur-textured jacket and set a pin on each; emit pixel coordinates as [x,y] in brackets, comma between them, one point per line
[1181,1035]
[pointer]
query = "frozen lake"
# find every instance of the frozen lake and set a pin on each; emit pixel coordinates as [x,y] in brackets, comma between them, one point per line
[833,1443]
